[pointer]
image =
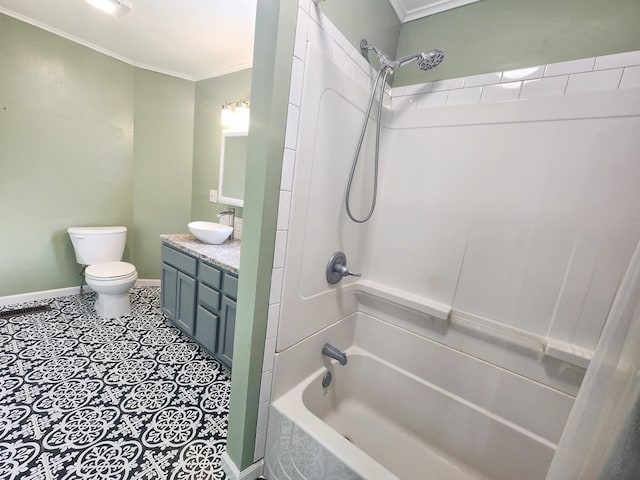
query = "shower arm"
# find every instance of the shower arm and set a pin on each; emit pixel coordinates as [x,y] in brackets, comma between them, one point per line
[408,59]
[383,58]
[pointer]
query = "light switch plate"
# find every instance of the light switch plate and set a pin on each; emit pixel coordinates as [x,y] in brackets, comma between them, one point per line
[213,196]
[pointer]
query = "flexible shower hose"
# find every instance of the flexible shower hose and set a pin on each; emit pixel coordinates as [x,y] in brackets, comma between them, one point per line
[385,71]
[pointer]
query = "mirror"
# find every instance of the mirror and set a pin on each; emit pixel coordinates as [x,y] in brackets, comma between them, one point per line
[233,161]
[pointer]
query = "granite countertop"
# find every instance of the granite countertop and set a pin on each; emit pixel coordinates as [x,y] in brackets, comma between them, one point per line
[225,255]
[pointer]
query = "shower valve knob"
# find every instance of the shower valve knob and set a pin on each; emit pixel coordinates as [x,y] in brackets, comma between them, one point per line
[337,268]
[344,271]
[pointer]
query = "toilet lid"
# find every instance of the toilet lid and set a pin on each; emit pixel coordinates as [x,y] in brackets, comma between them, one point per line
[111,270]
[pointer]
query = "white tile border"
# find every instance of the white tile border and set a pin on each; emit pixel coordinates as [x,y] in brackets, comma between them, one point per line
[501,92]
[483,79]
[544,87]
[604,73]
[572,66]
[630,78]
[462,96]
[284,205]
[617,60]
[594,81]
[297,74]
[522,74]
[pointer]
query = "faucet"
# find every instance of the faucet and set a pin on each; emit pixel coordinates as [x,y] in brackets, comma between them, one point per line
[332,352]
[232,220]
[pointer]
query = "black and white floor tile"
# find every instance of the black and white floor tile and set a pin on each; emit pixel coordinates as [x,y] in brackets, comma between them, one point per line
[85,398]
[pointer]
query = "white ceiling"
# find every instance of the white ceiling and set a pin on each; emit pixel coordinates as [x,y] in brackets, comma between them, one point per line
[192,39]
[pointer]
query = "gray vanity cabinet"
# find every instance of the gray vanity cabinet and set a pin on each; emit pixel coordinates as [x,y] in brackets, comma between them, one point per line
[169,291]
[228,312]
[200,300]
[186,304]
[178,298]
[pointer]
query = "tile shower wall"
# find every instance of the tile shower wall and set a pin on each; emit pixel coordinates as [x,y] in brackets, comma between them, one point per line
[608,72]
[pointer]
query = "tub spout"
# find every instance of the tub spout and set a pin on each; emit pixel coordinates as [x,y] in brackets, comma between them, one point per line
[332,352]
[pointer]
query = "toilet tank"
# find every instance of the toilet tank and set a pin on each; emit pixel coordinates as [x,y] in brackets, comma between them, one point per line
[98,244]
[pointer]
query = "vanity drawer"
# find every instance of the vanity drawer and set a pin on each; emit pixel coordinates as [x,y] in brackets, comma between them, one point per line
[210,275]
[208,297]
[230,285]
[183,262]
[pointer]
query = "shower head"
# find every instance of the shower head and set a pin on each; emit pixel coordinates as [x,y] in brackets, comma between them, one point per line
[430,60]
[426,61]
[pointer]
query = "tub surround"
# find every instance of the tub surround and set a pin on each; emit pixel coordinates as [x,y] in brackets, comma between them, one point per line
[503,284]
[537,317]
[225,256]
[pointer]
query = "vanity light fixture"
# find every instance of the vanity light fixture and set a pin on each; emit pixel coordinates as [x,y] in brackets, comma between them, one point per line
[235,115]
[117,8]
[227,115]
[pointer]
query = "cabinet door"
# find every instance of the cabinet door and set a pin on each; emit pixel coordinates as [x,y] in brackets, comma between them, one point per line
[186,308]
[168,291]
[227,330]
[206,329]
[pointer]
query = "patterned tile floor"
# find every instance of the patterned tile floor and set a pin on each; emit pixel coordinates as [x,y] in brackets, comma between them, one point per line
[82,398]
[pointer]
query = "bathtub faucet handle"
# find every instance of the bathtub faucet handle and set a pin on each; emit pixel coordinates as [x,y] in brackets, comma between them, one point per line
[344,271]
[337,268]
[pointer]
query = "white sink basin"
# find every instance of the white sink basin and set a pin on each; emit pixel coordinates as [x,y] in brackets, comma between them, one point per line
[209,232]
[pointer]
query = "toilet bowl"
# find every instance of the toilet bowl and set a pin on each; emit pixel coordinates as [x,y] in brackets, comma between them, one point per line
[100,249]
[111,281]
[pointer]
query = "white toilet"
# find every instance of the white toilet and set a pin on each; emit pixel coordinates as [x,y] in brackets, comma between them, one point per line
[101,249]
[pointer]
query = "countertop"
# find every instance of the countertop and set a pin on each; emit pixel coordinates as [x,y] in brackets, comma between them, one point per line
[225,255]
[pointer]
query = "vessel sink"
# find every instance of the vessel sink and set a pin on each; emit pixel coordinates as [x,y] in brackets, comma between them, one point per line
[209,232]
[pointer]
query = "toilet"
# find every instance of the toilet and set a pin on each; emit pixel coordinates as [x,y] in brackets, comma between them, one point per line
[100,249]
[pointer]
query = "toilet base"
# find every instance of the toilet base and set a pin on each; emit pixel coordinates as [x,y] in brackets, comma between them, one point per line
[113,306]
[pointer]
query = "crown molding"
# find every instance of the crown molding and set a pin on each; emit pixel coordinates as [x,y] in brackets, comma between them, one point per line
[429,8]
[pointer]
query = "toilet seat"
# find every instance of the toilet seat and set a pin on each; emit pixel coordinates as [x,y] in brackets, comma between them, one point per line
[110,271]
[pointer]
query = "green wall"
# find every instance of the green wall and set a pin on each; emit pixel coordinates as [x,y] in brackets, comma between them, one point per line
[210,95]
[497,35]
[66,152]
[273,56]
[69,156]
[374,20]
[163,153]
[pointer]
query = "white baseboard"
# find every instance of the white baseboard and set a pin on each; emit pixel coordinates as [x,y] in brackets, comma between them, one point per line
[61,292]
[34,296]
[234,473]
[149,282]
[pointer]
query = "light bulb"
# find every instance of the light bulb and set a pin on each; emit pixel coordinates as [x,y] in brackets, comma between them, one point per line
[242,118]
[227,116]
[112,7]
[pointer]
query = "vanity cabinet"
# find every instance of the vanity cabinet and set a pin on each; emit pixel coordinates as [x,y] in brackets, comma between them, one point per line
[228,311]
[200,299]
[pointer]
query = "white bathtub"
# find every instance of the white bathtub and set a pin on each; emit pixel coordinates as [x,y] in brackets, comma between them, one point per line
[379,421]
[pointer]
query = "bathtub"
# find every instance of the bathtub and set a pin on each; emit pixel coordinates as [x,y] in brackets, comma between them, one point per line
[380,421]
